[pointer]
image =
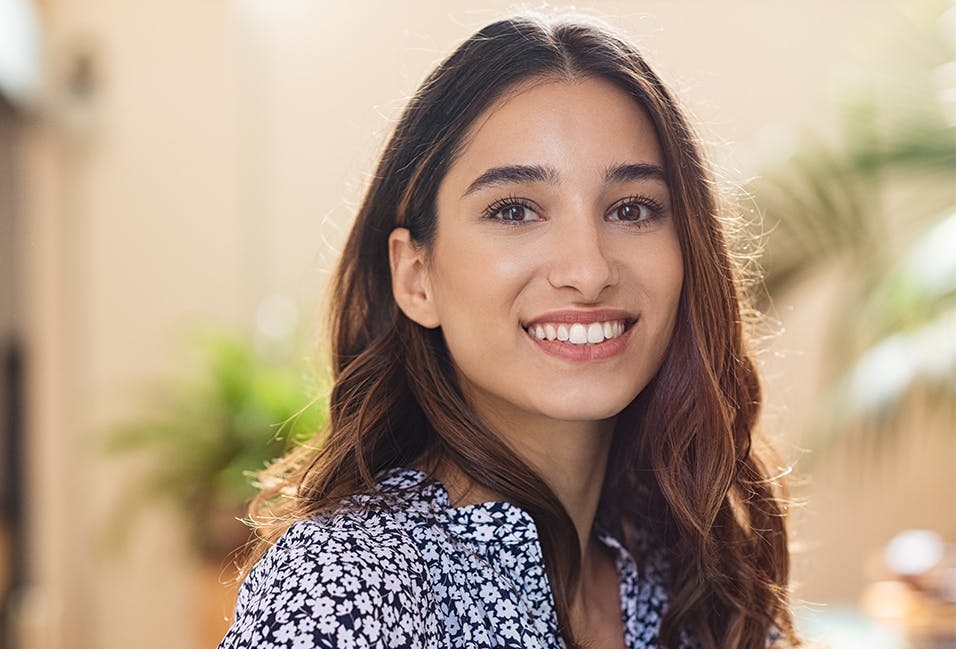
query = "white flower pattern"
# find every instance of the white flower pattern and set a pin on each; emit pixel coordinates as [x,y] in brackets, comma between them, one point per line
[405,569]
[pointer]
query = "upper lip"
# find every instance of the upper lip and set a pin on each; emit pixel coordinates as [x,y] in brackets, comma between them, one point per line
[570,316]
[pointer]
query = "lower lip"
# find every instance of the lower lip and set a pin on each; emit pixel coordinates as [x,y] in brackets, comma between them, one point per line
[589,352]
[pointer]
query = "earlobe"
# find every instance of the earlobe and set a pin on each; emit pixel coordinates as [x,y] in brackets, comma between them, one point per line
[410,279]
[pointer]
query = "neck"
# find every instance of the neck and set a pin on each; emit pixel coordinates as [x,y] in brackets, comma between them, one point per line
[572,458]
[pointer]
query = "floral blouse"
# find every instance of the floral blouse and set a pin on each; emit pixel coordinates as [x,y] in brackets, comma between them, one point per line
[419,573]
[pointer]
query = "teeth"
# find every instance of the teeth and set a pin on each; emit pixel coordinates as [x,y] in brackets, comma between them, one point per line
[578,333]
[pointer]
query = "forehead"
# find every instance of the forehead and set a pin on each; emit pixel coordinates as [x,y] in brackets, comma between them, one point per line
[575,125]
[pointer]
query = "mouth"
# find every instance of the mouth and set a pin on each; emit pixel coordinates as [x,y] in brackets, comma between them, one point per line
[579,333]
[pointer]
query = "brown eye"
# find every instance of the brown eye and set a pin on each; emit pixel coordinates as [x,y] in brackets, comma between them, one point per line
[636,210]
[631,212]
[513,213]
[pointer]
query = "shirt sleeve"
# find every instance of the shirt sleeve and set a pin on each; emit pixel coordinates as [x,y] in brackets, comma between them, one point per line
[346,585]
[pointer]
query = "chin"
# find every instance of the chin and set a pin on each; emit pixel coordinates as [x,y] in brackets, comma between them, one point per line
[593,401]
[585,409]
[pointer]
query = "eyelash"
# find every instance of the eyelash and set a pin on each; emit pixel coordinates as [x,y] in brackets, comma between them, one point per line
[655,207]
[491,212]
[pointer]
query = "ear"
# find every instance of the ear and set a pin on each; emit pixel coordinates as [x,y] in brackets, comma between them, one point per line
[410,279]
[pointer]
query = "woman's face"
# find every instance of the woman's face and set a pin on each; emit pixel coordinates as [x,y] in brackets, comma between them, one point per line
[556,270]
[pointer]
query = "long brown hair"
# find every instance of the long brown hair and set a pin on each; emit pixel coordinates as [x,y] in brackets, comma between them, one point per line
[683,467]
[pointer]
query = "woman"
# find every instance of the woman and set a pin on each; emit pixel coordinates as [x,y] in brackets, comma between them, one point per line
[540,428]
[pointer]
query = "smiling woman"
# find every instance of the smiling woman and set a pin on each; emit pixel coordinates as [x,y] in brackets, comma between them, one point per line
[542,230]
[541,430]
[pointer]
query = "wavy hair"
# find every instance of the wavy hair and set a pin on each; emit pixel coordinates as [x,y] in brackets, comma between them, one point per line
[684,465]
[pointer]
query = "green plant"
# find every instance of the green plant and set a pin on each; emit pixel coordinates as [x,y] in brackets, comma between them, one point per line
[880,207]
[205,437]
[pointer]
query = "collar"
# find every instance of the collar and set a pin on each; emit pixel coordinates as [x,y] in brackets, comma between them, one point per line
[505,537]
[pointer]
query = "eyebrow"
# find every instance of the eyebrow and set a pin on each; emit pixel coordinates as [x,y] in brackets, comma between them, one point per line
[623,173]
[513,174]
[524,174]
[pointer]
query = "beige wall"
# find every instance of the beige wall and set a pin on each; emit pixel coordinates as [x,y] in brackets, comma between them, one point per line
[218,162]
[134,231]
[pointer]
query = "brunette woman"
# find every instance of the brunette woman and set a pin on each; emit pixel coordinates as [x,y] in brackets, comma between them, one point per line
[542,425]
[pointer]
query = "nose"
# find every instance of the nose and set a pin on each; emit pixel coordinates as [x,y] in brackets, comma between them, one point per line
[581,259]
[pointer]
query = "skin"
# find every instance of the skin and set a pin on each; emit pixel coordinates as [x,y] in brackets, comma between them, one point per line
[570,240]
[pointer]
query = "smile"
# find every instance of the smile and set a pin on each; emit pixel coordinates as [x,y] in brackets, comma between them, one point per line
[578,333]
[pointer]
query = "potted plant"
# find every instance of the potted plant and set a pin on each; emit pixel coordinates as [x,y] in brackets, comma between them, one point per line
[204,438]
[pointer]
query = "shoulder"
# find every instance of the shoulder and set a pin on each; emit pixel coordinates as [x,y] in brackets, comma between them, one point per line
[369,540]
[351,578]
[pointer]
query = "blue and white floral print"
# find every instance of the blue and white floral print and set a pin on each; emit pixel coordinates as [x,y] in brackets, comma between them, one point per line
[406,569]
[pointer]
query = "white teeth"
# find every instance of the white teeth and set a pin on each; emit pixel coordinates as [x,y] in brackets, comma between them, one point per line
[578,333]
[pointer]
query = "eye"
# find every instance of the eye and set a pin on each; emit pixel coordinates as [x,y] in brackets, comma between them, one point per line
[631,212]
[513,213]
[636,209]
[512,210]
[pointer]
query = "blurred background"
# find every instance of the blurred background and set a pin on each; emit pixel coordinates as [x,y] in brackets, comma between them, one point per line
[176,179]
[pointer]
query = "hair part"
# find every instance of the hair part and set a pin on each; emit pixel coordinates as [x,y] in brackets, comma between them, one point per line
[684,467]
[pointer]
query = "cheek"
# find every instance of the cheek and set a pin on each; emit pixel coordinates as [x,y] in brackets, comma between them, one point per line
[665,276]
[671,265]
[661,268]
[675,283]
[477,275]
[478,291]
